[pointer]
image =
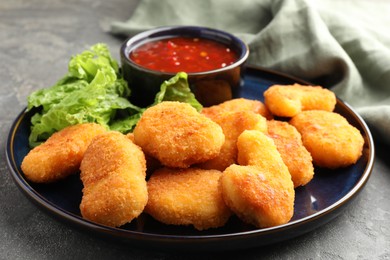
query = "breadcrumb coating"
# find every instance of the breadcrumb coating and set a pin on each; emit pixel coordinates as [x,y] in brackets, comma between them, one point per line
[61,154]
[260,190]
[113,173]
[177,135]
[294,154]
[189,196]
[233,124]
[330,139]
[238,104]
[289,100]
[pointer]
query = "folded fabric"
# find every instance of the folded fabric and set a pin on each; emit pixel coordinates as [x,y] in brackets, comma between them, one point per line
[341,45]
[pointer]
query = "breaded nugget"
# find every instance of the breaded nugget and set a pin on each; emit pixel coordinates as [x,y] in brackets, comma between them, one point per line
[233,124]
[260,191]
[177,135]
[289,144]
[331,140]
[255,148]
[130,136]
[237,104]
[113,174]
[61,154]
[257,196]
[187,197]
[152,164]
[289,100]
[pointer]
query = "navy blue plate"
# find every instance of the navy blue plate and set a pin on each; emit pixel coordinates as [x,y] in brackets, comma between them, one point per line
[325,197]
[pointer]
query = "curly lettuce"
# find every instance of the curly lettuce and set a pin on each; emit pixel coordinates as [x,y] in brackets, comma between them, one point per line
[94,90]
[177,89]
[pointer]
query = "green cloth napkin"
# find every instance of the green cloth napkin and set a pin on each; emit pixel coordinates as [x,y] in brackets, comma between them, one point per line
[341,45]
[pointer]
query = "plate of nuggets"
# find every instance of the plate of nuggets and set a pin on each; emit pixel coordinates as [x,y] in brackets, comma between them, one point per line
[278,160]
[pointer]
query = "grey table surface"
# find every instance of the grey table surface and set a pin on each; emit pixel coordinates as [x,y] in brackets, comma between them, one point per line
[36,40]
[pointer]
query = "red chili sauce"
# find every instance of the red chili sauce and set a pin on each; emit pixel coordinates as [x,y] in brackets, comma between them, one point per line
[183,54]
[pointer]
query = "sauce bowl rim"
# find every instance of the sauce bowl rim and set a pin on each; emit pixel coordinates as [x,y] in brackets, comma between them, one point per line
[164,32]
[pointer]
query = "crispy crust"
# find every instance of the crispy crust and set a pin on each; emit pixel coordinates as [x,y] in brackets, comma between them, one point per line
[296,157]
[177,135]
[257,196]
[331,140]
[260,190]
[233,124]
[289,100]
[237,104]
[113,174]
[187,197]
[61,154]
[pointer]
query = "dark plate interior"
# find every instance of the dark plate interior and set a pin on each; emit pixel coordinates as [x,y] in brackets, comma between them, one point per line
[317,203]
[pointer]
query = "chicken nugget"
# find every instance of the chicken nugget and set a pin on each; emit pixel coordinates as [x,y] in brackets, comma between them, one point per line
[237,104]
[330,139]
[233,124]
[260,190]
[130,136]
[289,100]
[152,163]
[289,144]
[61,154]
[256,196]
[177,135]
[255,148]
[113,174]
[189,196]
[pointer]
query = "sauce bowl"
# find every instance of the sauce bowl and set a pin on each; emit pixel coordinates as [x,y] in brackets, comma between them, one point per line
[210,87]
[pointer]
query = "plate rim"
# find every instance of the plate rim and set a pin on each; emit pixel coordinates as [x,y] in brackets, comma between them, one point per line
[124,234]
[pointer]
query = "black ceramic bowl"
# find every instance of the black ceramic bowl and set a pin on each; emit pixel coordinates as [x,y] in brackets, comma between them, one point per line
[210,87]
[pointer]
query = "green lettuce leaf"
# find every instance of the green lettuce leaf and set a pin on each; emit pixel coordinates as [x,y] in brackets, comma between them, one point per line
[177,89]
[94,90]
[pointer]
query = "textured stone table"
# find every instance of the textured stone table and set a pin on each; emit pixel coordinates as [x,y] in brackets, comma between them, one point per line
[36,40]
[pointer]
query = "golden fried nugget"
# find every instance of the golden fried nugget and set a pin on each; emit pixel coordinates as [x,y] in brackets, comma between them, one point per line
[237,104]
[289,144]
[177,135]
[255,148]
[113,174]
[257,196]
[61,154]
[260,191]
[152,164]
[289,100]
[331,140]
[233,124]
[130,136]
[187,197]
